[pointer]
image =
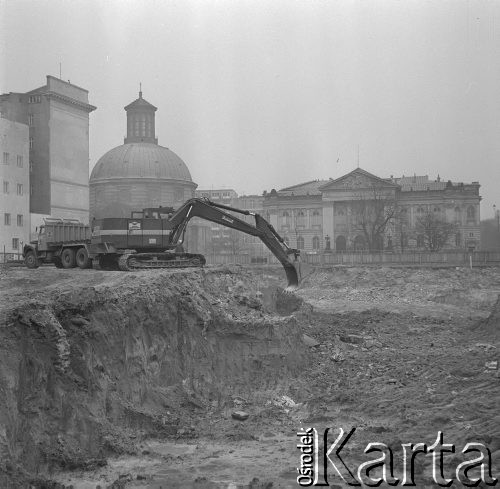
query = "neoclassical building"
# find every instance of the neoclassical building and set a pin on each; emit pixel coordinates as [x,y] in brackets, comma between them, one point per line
[320,215]
[140,173]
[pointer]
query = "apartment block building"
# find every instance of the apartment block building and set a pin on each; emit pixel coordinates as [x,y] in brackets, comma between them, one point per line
[14,191]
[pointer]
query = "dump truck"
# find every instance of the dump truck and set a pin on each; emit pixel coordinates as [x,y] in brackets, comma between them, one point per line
[63,242]
[151,238]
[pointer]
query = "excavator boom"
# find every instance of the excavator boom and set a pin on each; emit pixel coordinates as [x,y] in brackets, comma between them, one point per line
[222,214]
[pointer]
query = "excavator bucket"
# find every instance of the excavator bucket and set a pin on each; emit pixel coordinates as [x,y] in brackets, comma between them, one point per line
[296,271]
[292,275]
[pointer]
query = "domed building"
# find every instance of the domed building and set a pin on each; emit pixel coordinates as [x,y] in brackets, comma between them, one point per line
[140,173]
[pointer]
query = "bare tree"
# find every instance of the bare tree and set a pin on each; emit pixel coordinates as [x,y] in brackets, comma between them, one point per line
[373,212]
[435,230]
[402,226]
[235,241]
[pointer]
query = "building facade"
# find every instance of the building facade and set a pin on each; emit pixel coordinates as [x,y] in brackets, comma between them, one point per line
[140,173]
[57,115]
[14,178]
[327,215]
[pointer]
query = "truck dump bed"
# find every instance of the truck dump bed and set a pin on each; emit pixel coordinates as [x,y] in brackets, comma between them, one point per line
[66,230]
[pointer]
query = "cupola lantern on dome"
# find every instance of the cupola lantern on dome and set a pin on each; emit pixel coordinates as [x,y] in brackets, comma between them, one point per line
[140,121]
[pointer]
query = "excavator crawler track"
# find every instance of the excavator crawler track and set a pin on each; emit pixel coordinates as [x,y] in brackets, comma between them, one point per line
[146,261]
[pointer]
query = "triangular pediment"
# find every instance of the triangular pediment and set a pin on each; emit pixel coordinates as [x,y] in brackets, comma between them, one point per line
[356,180]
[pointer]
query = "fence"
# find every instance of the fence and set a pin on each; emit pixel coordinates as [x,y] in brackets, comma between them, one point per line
[10,257]
[447,258]
[425,259]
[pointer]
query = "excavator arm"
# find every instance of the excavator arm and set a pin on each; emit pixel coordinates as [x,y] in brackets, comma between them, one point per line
[218,213]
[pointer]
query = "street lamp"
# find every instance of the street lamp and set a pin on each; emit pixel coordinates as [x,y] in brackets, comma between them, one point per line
[497,216]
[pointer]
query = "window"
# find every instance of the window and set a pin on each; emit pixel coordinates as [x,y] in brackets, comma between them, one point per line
[6,219]
[15,243]
[458,239]
[179,194]
[316,243]
[5,187]
[31,165]
[471,213]
[285,218]
[404,216]
[20,162]
[420,241]
[300,243]
[20,220]
[301,218]
[19,189]
[340,243]
[316,218]
[143,125]
[6,158]
[31,143]
[30,119]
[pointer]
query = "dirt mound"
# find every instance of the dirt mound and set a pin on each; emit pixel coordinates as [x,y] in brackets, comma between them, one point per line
[94,370]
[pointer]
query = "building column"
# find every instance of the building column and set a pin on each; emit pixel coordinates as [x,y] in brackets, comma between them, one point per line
[328,223]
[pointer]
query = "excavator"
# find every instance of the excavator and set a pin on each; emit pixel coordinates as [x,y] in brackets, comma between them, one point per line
[154,237]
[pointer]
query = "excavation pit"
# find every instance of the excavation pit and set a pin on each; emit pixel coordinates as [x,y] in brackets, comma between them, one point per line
[92,370]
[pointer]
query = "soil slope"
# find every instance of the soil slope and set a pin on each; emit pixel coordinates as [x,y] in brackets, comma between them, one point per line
[92,362]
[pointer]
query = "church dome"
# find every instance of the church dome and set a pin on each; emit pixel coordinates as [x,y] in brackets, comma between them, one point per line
[140,173]
[140,161]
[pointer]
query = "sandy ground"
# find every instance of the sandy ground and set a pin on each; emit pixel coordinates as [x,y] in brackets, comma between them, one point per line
[401,354]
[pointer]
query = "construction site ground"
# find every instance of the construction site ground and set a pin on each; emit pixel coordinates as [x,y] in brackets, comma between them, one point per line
[130,380]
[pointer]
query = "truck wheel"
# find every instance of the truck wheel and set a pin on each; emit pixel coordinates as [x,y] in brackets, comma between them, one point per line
[31,260]
[82,258]
[68,258]
[57,262]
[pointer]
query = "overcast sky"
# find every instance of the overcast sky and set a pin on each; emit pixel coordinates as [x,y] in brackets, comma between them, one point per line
[255,95]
